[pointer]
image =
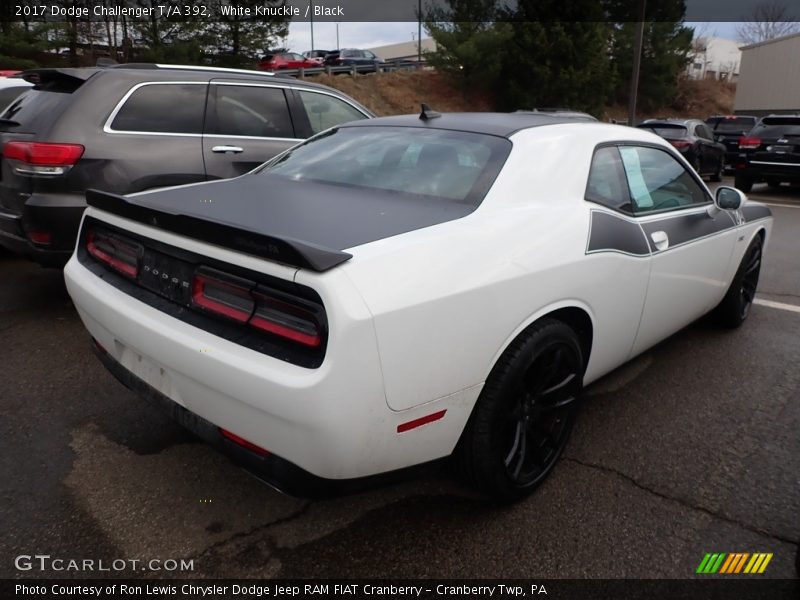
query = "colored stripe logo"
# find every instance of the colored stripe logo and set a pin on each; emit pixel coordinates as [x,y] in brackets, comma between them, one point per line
[734,563]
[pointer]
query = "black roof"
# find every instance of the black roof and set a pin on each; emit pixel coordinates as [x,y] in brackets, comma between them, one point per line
[499,124]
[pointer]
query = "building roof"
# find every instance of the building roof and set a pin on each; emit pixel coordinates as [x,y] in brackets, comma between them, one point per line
[772,41]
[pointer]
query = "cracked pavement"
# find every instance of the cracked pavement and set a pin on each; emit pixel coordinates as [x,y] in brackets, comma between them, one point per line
[693,447]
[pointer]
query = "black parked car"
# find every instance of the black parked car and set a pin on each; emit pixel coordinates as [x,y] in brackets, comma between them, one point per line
[770,152]
[694,140]
[352,56]
[129,128]
[727,130]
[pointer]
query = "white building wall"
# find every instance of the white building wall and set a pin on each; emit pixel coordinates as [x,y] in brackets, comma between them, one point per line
[715,57]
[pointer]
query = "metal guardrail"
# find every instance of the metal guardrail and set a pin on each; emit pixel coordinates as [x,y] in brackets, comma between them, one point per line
[387,67]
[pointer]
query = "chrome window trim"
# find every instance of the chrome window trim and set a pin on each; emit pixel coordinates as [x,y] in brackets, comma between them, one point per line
[780,164]
[296,88]
[107,126]
[108,129]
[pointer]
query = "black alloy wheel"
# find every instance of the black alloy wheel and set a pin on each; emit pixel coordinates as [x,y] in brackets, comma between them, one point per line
[523,417]
[752,262]
[537,418]
[735,306]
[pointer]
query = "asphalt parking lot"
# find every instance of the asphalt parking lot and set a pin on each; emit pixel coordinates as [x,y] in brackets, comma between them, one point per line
[693,447]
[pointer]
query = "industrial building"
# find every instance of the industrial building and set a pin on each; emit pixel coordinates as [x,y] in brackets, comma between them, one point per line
[769,77]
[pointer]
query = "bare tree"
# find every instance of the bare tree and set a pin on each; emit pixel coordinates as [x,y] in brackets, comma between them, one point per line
[770,19]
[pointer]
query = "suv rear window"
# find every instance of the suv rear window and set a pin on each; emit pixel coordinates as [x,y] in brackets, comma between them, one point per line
[732,123]
[665,130]
[777,127]
[447,165]
[163,108]
[36,109]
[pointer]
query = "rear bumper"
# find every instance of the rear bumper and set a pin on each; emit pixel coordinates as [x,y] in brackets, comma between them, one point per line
[761,170]
[332,422]
[56,214]
[272,469]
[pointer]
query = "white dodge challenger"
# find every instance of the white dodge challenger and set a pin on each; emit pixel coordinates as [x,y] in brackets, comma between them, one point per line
[401,289]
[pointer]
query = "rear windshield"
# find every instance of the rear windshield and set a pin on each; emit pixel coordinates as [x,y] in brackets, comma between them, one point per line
[732,124]
[40,106]
[670,132]
[446,165]
[777,127]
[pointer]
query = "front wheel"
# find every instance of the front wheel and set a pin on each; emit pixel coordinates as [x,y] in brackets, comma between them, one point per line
[522,420]
[735,306]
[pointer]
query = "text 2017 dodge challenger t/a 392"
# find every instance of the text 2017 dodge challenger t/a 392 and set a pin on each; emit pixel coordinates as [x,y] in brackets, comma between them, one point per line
[397,290]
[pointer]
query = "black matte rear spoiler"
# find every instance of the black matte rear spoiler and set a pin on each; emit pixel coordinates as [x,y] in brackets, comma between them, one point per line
[284,250]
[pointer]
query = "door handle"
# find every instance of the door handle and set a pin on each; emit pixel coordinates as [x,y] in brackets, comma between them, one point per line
[660,239]
[226,149]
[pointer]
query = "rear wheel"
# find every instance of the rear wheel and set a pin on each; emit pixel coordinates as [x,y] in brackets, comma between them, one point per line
[524,415]
[735,306]
[717,175]
[696,166]
[743,183]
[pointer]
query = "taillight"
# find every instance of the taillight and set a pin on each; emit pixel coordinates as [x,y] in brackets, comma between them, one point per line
[40,158]
[242,301]
[286,320]
[680,144]
[43,238]
[749,143]
[220,295]
[121,255]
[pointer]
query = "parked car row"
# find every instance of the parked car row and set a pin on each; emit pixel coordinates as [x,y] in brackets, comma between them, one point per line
[757,150]
[280,61]
[150,126]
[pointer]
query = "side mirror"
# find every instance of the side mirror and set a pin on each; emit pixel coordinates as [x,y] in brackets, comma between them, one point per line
[728,198]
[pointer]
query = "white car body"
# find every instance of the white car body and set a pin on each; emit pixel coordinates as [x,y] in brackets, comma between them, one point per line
[418,320]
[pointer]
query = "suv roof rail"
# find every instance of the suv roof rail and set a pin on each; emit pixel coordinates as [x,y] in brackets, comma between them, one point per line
[189,68]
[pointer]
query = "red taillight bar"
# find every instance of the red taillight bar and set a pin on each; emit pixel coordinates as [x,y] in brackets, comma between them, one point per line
[749,143]
[114,253]
[43,154]
[680,143]
[237,299]
[223,304]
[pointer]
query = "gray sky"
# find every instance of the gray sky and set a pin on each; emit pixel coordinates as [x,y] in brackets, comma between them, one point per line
[369,35]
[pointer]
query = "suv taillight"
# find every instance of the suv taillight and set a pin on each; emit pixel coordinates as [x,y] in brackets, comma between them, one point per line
[42,158]
[680,144]
[749,143]
[243,301]
[121,255]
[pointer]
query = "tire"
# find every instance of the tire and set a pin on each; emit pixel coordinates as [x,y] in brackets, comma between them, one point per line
[696,166]
[735,306]
[742,183]
[717,175]
[523,417]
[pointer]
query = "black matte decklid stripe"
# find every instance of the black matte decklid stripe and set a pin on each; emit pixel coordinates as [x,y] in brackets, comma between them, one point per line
[280,249]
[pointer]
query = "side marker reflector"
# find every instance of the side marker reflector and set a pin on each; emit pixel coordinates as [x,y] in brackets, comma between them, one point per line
[421,421]
[240,441]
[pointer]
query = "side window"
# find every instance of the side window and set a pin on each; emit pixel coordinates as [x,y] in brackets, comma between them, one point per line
[703,132]
[657,181]
[163,108]
[327,111]
[370,55]
[606,184]
[255,111]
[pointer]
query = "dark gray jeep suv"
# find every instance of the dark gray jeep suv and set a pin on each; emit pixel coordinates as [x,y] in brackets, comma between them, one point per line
[130,128]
